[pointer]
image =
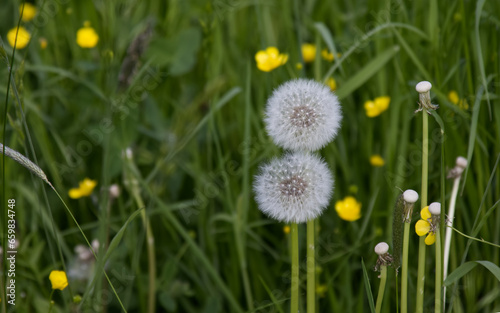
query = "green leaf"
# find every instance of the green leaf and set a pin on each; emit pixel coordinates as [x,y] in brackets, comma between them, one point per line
[366,72]
[178,52]
[118,237]
[465,268]
[368,288]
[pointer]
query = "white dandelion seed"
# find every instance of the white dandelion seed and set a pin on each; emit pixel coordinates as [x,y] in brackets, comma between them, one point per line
[295,188]
[303,115]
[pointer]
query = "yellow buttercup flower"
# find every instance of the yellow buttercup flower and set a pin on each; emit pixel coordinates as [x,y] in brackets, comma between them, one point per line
[423,227]
[29,11]
[455,99]
[298,66]
[377,106]
[84,190]
[286,229]
[86,37]
[23,37]
[308,52]
[376,160]
[348,209]
[58,279]
[332,83]
[269,59]
[327,55]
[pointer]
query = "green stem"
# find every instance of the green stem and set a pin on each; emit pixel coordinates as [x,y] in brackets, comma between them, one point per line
[404,271]
[51,305]
[423,202]
[150,247]
[294,306]
[381,289]
[439,274]
[311,269]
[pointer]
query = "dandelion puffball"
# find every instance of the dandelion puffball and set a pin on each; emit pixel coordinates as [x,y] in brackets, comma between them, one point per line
[461,162]
[303,115]
[410,196]
[435,208]
[381,248]
[423,86]
[295,188]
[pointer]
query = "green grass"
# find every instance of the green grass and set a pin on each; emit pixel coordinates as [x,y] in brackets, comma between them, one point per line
[193,117]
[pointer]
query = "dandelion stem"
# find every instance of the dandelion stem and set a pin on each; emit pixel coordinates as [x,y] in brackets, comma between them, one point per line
[311,285]
[439,274]
[404,270]
[451,215]
[423,202]
[294,306]
[381,289]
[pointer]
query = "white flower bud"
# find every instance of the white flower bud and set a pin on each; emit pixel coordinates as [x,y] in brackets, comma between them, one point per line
[461,162]
[435,208]
[423,86]
[410,196]
[381,248]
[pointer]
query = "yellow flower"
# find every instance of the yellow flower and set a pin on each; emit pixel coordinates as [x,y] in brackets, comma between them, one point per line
[23,37]
[86,37]
[298,66]
[455,99]
[58,280]
[321,290]
[423,226]
[43,43]
[377,106]
[29,11]
[348,209]
[332,83]
[329,55]
[286,229]
[84,190]
[269,59]
[308,52]
[376,160]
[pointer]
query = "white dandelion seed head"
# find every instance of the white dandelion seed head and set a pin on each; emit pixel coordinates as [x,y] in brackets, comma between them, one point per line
[461,162]
[410,196]
[423,86]
[295,188]
[381,248]
[435,208]
[303,114]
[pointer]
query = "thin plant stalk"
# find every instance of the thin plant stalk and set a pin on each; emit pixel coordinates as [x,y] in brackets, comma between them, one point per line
[311,272]
[381,289]
[294,305]
[439,274]
[451,215]
[404,269]
[447,237]
[134,187]
[423,193]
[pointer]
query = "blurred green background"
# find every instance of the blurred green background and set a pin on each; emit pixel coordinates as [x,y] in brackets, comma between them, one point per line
[176,82]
